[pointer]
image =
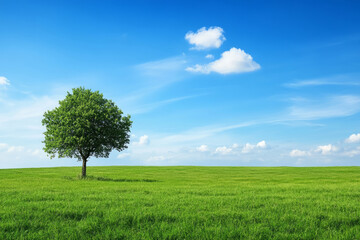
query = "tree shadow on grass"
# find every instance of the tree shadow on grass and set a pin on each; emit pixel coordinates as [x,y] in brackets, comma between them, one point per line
[105,179]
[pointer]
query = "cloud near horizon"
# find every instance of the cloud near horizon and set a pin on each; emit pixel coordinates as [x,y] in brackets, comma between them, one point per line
[298,153]
[326,149]
[249,147]
[235,60]
[223,150]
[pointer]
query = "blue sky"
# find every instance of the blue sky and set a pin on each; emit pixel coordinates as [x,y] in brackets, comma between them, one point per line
[228,83]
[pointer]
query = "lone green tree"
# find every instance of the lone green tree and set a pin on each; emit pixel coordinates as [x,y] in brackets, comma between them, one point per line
[85,124]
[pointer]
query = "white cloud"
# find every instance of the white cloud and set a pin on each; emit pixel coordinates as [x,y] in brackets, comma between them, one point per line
[203,148]
[223,150]
[298,153]
[235,145]
[36,152]
[326,149]
[198,68]
[261,144]
[353,138]
[123,155]
[233,61]
[352,153]
[247,148]
[206,38]
[4,146]
[209,56]
[15,149]
[10,149]
[144,140]
[4,81]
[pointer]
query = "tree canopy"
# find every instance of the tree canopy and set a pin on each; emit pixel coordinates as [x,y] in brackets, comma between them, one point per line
[85,124]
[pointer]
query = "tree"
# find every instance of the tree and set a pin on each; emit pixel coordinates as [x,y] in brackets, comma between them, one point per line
[85,124]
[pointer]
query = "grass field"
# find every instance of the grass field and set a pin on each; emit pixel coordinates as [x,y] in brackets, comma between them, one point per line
[180,203]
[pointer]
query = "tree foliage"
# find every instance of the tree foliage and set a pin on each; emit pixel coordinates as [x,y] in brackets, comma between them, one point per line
[85,124]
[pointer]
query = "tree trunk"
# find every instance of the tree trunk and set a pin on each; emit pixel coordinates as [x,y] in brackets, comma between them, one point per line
[83,173]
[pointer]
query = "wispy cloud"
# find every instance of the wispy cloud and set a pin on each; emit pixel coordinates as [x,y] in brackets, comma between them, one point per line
[352,152]
[151,106]
[345,80]
[203,132]
[27,109]
[164,66]
[335,106]
[21,119]
[209,56]
[203,148]
[152,77]
[4,81]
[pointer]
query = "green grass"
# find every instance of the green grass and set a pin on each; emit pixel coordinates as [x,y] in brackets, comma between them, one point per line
[180,203]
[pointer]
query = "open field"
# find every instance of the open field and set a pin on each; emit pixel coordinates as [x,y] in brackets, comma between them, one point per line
[180,203]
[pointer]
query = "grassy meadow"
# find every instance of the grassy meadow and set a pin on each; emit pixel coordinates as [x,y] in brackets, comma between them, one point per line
[180,203]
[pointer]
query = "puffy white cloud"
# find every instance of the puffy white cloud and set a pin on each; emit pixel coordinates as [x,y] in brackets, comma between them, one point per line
[209,56]
[206,38]
[353,138]
[249,147]
[233,61]
[4,81]
[203,148]
[298,153]
[326,149]
[143,140]
[261,144]
[223,150]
